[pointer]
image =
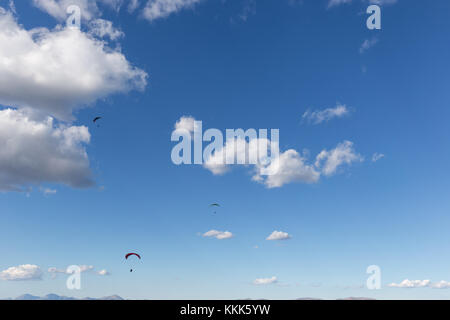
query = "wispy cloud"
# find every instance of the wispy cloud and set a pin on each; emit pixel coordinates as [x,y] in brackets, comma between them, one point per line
[319,116]
[158,9]
[377,156]
[336,3]
[48,191]
[103,272]
[367,44]
[103,28]
[133,5]
[249,9]
[410,284]
[83,268]
[330,161]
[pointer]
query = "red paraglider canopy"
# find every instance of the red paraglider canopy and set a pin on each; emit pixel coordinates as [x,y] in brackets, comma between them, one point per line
[132,254]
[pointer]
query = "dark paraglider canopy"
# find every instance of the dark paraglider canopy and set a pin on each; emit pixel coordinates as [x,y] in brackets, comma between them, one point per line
[95,121]
[132,254]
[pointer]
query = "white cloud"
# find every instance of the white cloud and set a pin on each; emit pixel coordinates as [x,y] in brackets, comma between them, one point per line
[335,3]
[220,235]
[58,8]
[420,284]
[46,75]
[377,156]
[104,28]
[12,6]
[367,44]
[217,162]
[265,281]
[276,170]
[86,268]
[92,9]
[186,123]
[292,167]
[249,9]
[21,273]
[60,70]
[157,9]
[410,284]
[113,4]
[133,5]
[440,285]
[83,268]
[319,116]
[54,270]
[330,161]
[48,191]
[89,8]
[278,235]
[289,167]
[381,2]
[35,151]
[103,273]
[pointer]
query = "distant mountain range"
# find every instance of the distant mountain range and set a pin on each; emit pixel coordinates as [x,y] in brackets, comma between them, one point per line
[56,297]
[61,298]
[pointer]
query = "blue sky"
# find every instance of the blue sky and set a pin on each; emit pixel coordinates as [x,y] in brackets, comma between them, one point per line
[235,64]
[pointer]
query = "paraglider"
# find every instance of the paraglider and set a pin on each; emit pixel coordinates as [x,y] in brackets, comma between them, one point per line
[95,120]
[131,254]
[214,205]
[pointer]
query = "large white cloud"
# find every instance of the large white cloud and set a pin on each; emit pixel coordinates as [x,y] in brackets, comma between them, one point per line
[278,168]
[57,71]
[46,75]
[157,9]
[291,167]
[21,273]
[34,151]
